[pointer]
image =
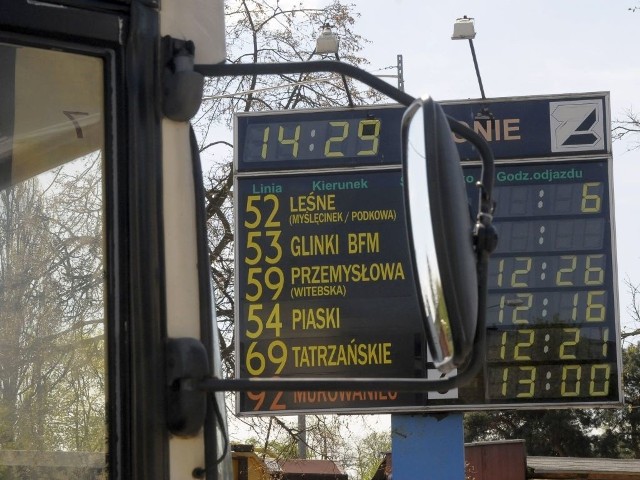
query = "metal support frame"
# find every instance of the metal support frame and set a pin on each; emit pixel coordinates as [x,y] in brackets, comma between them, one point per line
[400,68]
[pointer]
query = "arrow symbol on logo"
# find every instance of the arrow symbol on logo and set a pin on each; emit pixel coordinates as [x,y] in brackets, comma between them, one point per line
[588,138]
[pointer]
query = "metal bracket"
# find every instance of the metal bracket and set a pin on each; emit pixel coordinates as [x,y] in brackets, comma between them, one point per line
[182,86]
[187,366]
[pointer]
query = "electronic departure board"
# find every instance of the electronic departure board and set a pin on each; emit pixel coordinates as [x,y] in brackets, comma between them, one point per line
[551,328]
[552,321]
[322,264]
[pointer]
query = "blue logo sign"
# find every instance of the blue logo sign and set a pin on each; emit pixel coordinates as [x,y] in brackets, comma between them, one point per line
[576,125]
[536,127]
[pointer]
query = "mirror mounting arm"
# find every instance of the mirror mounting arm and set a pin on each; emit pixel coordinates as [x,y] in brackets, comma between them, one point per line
[485,237]
[488,169]
[315,66]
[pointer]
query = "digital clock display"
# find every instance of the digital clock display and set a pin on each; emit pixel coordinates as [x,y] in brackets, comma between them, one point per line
[364,136]
[570,342]
[558,361]
[552,383]
[548,271]
[310,140]
[551,234]
[565,305]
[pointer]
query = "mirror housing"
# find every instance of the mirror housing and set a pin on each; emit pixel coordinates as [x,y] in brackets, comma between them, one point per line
[440,233]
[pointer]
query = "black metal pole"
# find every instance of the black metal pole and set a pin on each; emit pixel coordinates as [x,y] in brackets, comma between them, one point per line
[475,64]
[400,68]
[346,86]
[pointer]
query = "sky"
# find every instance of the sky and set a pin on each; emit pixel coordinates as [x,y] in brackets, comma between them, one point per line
[523,48]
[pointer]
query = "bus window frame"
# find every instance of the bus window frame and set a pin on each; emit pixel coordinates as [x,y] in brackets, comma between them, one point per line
[113,347]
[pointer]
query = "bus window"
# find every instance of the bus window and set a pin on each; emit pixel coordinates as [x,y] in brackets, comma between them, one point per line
[52,287]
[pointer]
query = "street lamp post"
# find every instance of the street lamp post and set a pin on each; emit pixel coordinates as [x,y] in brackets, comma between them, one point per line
[464,29]
[328,43]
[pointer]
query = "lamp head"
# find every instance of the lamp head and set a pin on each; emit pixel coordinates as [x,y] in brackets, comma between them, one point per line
[328,42]
[463,29]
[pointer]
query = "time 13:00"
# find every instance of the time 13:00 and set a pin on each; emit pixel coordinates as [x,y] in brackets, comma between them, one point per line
[532,382]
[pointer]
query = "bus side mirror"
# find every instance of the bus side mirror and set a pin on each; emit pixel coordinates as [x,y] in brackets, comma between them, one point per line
[440,232]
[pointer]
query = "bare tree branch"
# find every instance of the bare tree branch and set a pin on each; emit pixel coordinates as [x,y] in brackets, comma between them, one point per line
[628,126]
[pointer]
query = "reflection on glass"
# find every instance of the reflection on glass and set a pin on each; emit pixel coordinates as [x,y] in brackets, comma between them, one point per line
[426,261]
[52,309]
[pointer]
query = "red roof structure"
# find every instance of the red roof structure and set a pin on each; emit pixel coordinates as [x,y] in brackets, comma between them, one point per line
[297,469]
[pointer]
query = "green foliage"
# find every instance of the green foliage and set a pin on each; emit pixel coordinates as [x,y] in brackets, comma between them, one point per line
[546,432]
[619,435]
[370,452]
[52,358]
[328,437]
[279,450]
